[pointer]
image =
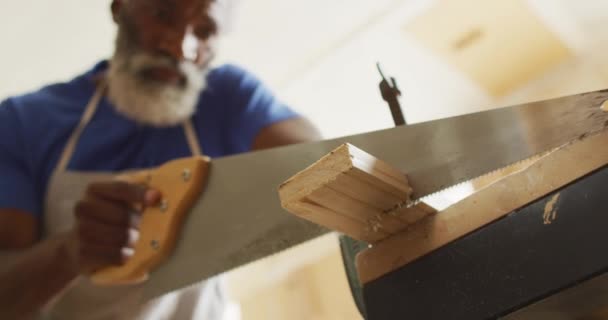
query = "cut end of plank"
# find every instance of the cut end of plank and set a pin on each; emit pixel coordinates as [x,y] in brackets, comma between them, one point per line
[349,191]
[317,174]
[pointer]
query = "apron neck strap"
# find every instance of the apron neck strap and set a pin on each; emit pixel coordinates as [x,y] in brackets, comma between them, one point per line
[191,137]
[89,111]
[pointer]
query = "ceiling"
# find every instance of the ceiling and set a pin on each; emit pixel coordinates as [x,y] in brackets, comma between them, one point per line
[320,55]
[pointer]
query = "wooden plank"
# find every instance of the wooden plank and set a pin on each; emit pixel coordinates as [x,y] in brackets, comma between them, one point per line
[353,193]
[335,221]
[356,209]
[413,214]
[366,192]
[539,178]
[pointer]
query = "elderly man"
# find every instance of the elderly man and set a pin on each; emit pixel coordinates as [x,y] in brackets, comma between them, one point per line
[157,99]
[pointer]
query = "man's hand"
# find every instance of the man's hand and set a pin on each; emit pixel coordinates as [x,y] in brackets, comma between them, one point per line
[107,220]
[105,228]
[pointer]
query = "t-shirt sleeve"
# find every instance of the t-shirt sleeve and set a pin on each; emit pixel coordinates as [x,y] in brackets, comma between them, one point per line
[17,188]
[253,107]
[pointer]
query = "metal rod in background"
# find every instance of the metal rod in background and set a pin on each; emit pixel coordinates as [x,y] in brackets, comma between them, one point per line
[390,93]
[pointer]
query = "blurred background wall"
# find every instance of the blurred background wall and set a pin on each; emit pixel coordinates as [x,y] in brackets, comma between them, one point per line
[449,57]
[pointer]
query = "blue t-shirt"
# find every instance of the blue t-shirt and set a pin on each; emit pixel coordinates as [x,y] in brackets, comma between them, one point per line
[34,129]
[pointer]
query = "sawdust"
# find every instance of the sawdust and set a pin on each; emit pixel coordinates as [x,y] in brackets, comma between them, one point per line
[550,213]
[375,224]
[605,106]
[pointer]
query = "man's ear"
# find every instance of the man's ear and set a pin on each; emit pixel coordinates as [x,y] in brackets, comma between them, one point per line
[116,7]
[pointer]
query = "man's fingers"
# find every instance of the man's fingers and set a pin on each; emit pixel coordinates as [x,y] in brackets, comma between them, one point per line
[107,219]
[95,232]
[109,212]
[151,197]
[124,192]
[100,255]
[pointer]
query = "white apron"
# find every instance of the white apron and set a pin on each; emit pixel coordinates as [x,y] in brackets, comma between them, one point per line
[82,300]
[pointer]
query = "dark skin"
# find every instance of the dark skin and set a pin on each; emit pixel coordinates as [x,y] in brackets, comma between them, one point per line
[105,223]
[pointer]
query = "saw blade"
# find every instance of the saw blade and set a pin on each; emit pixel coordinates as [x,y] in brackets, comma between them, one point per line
[239,218]
[449,196]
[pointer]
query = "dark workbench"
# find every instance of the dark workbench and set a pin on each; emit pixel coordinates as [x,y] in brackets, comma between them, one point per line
[518,267]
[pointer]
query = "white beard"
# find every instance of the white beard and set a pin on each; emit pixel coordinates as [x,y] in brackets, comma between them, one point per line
[149,102]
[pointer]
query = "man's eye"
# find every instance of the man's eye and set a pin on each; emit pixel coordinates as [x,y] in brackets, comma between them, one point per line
[203,33]
[161,14]
[205,29]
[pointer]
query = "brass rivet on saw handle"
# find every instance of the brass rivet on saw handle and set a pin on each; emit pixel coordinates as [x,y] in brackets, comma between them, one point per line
[186,175]
[164,205]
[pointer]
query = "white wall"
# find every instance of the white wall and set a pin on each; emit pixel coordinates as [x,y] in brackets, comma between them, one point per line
[46,41]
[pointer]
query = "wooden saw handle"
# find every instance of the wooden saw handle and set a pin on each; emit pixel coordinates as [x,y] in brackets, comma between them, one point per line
[180,182]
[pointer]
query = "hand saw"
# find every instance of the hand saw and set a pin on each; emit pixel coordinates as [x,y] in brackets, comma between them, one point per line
[239,219]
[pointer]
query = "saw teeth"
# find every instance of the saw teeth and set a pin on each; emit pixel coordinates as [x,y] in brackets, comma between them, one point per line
[496,171]
[522,164]
[411,203]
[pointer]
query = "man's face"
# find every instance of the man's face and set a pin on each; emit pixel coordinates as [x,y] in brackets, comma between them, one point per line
[175,29]
[162,52]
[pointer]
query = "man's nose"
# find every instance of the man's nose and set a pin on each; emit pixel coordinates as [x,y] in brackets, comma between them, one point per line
[179,46]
